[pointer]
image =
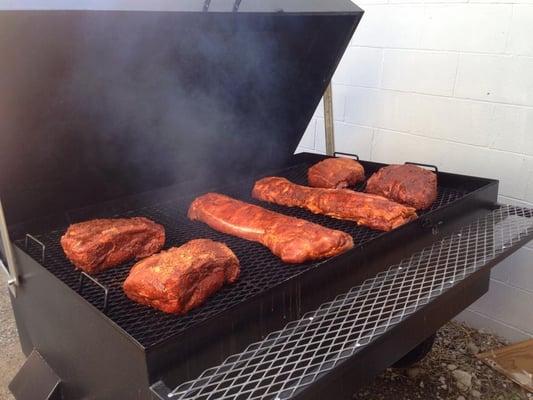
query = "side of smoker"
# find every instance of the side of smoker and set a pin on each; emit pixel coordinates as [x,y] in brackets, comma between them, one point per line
[95,358]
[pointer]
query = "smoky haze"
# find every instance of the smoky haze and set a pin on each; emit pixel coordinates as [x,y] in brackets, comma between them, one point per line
[168,104]
[99,105]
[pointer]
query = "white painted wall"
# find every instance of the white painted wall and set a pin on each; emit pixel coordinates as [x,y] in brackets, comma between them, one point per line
[449,83]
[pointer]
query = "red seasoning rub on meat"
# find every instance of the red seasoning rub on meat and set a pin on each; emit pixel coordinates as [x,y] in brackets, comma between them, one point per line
[293,240]
[369,210]
[182,278]
[99,244]
[406,184]
[335,173]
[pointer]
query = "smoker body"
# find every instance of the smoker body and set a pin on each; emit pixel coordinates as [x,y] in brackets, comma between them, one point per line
[90,355]
[86,347]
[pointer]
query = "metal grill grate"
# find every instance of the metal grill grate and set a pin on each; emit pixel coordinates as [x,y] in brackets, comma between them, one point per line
[260,270]
[289,360]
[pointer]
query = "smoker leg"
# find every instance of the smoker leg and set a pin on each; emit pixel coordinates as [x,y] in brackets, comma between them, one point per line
[417,354]
[36,380]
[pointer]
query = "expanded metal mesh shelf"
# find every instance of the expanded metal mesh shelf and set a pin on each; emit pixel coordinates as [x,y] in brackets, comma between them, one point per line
[291,359]
[260,269]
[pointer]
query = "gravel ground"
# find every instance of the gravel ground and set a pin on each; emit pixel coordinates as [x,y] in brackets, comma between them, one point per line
[11,357]
[451,371]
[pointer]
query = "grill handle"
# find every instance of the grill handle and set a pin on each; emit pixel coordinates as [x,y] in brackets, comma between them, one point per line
[10,269]
[236,5]
[84,276]
[433,167]
[340,153]
[36,241]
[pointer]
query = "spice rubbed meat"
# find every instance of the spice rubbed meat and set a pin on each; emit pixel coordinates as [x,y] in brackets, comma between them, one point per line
[293,240]
[375,212]
[335,173]
[406,184]
[182,278]
[99,244]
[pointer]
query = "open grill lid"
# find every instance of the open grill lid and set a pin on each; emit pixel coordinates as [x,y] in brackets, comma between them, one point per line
[100,103]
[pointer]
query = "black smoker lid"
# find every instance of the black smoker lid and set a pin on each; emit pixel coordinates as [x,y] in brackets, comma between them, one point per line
[261,6]
[96,104]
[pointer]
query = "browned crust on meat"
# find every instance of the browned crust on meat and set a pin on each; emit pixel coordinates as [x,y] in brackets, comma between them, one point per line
[369,210]
[293,240]
[407,184]
[182,278]
[335,173]
[99,244]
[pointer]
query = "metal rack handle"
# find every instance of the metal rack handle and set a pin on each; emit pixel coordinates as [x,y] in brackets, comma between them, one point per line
[355,156]
[236,5]
[104,288]
[38,242]
[434,167]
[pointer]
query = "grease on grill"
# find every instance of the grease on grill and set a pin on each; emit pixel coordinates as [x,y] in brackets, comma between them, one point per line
[260,269]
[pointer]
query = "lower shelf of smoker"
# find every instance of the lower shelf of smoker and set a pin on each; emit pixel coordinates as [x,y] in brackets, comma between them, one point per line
[290,361]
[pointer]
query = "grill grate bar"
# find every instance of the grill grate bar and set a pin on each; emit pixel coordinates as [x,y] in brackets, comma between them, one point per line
[289,360]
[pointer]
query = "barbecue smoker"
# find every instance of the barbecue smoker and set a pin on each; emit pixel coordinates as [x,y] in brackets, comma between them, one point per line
[129,112]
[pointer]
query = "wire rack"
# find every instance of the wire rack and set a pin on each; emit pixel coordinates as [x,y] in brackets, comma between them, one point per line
[260,269]
[289,360]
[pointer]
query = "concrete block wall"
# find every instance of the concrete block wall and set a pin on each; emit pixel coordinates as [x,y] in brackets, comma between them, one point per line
[448,83]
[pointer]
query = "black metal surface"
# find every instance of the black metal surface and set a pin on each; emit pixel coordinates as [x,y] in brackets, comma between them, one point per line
[249,6]
[93,358]
[139,100]
[45,384]
[417,354]
[261,270]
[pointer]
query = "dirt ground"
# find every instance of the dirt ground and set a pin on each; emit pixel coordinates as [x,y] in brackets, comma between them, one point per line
[11,356]
[451,371]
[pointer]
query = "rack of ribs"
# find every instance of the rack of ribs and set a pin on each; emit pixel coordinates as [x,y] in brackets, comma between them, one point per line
[182,278]
[335,173]
[99,244]
[406,184]
[372,211]
[293,240]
